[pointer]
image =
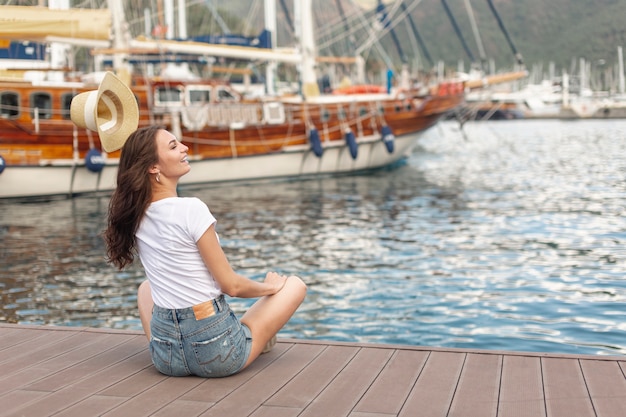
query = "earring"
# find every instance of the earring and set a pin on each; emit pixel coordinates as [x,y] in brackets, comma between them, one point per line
[158,177]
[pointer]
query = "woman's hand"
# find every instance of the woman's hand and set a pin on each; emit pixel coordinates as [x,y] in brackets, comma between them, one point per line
[275,280]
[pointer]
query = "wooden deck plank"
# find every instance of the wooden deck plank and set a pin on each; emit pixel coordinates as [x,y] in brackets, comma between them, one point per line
[272,411]
[154,398]
[12,337]
[521,388]
[58,366]
[76,372]
[260,387]
[386,396]
[214,390]
[10,402]
[178,408]
[344,391]
[125,348]
[96,405]
[607,386]
[54,343]
[305,386]
[565,389]
[433,392]
[135,384]
[479,386]
[104,375]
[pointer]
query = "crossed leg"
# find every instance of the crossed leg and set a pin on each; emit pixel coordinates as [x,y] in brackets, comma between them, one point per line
[264,319]
[270,313]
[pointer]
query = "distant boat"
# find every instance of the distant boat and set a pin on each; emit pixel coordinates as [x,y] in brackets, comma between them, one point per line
[550,99]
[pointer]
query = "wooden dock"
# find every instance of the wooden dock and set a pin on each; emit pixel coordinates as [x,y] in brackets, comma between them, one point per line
[68,371]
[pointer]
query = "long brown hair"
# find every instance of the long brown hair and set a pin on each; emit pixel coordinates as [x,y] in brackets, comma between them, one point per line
[132,195]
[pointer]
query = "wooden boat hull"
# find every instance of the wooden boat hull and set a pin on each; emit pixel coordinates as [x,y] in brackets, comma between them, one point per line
[72,178]
[228,141]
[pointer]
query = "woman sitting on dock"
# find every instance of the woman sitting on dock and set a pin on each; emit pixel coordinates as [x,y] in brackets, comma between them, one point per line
[191,328]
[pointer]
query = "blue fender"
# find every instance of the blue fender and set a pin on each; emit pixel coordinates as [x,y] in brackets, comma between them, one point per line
[352,145]
[3,164]
[387,137]
[94,160]
[316,144]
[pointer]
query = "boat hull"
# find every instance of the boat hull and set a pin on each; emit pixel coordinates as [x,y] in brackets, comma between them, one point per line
[44,154]
[71,178]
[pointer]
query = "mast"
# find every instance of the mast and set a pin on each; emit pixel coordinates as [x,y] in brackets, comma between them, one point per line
[307,42]
[270,25]
[620,66]
[59,52]
[120,36]
[182,19]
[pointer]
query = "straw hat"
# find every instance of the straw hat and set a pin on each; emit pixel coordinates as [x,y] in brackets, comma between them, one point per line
[112,111]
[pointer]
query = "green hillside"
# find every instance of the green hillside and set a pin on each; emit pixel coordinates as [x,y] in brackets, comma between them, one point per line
[543,31]
[556,30]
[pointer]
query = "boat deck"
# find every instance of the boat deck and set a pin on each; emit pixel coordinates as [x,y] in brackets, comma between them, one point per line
[68,371]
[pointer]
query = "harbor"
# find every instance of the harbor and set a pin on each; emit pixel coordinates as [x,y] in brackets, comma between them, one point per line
[504,235]
[461,234]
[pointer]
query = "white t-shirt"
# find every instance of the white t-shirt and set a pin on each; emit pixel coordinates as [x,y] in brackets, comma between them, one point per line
[166,242]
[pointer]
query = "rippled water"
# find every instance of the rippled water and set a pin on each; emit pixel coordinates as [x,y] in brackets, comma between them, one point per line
[506,235]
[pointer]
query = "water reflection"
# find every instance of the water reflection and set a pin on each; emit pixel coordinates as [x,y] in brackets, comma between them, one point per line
[508,237]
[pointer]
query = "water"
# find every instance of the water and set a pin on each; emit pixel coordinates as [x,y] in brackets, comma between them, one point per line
[506,235]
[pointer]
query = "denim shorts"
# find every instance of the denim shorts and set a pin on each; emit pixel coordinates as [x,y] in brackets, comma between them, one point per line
[213,344]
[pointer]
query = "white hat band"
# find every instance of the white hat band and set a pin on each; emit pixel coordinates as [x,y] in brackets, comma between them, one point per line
[90,114]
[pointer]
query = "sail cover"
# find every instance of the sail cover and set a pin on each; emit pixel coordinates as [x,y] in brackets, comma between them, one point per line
[38,23]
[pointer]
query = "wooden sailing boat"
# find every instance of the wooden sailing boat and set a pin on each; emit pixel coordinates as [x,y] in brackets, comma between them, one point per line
[229,137]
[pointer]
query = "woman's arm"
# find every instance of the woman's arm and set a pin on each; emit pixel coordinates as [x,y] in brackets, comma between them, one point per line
[230,282]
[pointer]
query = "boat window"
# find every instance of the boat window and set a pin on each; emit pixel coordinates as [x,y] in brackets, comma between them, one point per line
[168,95]
[325,116]
[66,101]
[341,114]
[362,111]
[9,105]
[42,103]
[199,96]
[225,95]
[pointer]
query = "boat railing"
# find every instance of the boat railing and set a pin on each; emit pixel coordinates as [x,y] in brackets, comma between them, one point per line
[195,117]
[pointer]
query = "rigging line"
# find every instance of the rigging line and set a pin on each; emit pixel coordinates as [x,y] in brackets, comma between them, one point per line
[518,56]
[376,35]
[218,18]
[479,42]
[372,41]
[457,30]
[345,24]
[416,34]
[250,26]
[331,29]
[356,22]
[327,34]
[381,14]
[287,16]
